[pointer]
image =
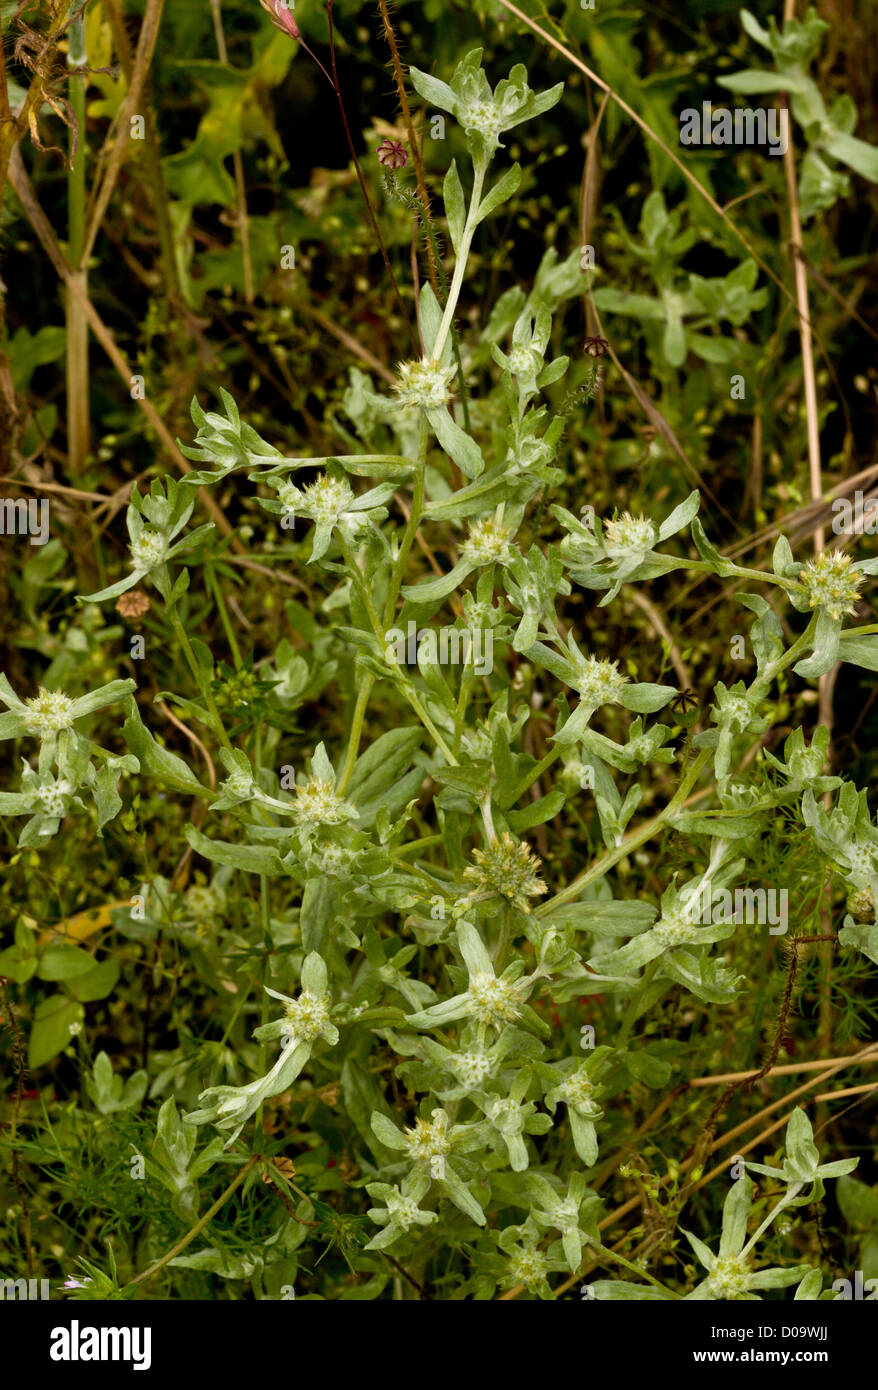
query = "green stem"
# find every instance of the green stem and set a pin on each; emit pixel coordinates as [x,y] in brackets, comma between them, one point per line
[504,940]
[406,686]
[533,776]
[776,1210]
[354,736]
[416,845]
[198,675]
[627,1264]
[460,264]
[200,1223]
[217,592]
[411,525]
[630,843]
[78,421]
[265,918]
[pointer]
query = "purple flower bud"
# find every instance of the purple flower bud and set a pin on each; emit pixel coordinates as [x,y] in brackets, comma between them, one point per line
[282,16]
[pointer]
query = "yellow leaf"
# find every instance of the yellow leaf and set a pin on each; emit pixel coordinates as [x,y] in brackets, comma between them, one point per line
[86,923]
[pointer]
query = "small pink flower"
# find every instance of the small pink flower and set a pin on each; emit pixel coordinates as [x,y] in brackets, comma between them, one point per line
[281,12]
[393,154]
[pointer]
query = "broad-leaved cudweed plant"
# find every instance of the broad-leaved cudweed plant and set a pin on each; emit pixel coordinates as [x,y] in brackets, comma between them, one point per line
[430,1023]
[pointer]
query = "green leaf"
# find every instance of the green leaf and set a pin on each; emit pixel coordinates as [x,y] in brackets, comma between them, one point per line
[538,812]
[455,206]
[639,306]
[170,770]
[432,90]
[363,1099]
[64,963]
[756,80]
[502,190]
[859,651]
[253,859]
[826,647]
[96,983]
[457,443]
[383,762]
[856,154]
[54,1018]
[317,913]
[432,590]
[646,697]
[430,316]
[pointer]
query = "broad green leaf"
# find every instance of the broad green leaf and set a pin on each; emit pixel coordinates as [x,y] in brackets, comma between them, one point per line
[56,1020]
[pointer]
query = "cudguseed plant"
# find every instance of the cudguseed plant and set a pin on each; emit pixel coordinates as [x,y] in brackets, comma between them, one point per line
[440,1031]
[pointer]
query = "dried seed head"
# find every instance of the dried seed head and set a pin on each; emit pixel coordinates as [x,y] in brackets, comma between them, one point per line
[392,154]
[133,605]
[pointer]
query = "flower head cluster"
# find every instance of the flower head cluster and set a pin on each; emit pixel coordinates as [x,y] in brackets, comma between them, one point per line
[48,713]
[491,1000]
[522,360]
[599,682]
[425,384]
[46,799]
[628,533]
[306,1020]
[509,1118]
[525,1262]
[846,835]
[483,113]
[506,868]
[51,712]
[317,803]
[331,503]
[154,524]
[605,554]
[578,1089]
[307,1017]
[574,1214]
[730,1273]
[430,1146]
[831,583]
[400,1212]
[148,549]
[487,543]
[679,926]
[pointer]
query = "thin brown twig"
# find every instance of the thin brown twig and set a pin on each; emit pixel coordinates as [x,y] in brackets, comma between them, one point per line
[20,181]
[143,57]
[787,1069]
[657,622]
